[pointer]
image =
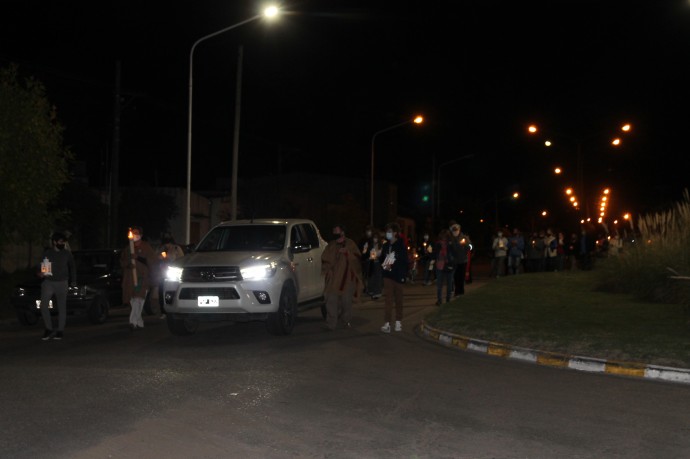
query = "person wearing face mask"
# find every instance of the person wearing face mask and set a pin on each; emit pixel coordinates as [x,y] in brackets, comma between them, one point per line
[57,270]
[137,264]
[341,266]
[395,265]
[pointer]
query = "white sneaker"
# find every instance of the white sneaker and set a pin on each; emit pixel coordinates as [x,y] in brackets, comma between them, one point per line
[398,325]
[386,328]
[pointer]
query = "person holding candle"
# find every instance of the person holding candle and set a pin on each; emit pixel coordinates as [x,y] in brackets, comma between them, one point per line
[136,261]
[394,264]
[57,269]
[461,244]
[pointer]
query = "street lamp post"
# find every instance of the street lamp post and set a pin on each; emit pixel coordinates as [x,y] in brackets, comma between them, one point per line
[416,120]
[268,12]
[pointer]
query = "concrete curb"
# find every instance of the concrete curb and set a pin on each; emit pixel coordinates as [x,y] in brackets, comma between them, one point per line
[677,375]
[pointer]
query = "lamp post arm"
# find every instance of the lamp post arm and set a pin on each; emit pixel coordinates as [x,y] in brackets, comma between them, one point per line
[218,32]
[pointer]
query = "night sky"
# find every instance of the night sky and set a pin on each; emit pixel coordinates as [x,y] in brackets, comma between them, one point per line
[323,78]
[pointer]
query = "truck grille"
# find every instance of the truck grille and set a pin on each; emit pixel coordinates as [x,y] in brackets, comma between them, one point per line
[221,292]
[211,274]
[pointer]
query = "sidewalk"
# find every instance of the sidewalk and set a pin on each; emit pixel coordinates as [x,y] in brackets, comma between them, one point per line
[422,299]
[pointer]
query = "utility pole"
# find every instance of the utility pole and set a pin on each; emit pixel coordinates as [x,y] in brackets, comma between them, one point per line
[114,195]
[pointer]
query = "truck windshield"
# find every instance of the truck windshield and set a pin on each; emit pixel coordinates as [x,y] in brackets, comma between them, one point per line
[247,238]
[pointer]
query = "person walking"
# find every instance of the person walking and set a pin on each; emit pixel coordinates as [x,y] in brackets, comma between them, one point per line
[135,261]
[500,248]
[461,245]
[445,265]
[394,264]
[342,268]
[58,271]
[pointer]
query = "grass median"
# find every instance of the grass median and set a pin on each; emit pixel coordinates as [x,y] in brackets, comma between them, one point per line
[562,312]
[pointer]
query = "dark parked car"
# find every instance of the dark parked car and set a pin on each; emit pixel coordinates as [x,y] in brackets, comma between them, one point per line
[99,280]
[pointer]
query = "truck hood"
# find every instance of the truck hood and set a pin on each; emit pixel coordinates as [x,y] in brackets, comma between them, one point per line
[226,258]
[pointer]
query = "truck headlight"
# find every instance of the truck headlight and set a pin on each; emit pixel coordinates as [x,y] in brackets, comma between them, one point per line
[173,274]
[258,271]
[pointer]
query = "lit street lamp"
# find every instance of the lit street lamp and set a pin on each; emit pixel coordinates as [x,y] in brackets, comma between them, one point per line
[417,120]
[578,141]
[514,196]
[269,12]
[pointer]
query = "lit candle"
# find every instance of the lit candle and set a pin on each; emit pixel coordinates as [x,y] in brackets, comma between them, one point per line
[130,236]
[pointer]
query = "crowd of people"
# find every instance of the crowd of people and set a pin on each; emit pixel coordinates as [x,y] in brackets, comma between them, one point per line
[546,250]
[442,261]
[378,265]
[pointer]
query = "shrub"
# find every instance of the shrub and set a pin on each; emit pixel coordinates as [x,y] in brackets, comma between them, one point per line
[662,248]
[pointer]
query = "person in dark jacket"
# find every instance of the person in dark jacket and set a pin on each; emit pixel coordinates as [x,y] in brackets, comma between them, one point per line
[394,264]
[461,244]
[57,269]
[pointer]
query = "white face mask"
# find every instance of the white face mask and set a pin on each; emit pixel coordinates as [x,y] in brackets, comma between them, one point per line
[389,235]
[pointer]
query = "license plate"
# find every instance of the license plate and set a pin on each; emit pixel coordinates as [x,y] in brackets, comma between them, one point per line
[208,301]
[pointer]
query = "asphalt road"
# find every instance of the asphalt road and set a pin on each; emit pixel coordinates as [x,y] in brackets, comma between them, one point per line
[234,391]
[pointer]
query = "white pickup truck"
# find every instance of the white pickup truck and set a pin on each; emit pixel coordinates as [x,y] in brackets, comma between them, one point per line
[247,270]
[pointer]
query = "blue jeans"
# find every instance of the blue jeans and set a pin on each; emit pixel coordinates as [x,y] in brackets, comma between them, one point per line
[442,277]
